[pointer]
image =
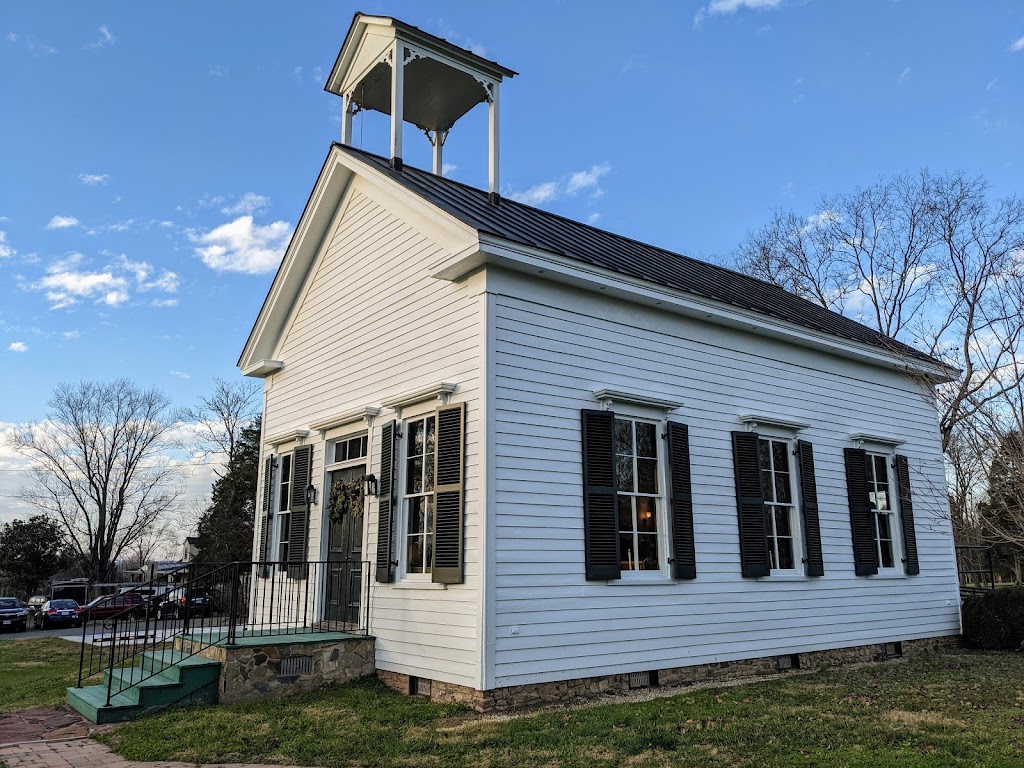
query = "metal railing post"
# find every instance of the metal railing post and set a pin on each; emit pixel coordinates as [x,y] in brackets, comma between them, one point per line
[110,663]
[233,603]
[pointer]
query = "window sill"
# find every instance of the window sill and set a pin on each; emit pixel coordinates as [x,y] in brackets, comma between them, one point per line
[782,576]
[659,581]
[417,585]
[887,575]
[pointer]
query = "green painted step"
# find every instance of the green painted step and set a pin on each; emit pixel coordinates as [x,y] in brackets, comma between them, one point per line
[177,679]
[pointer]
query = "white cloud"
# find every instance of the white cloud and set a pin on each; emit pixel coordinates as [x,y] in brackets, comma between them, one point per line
[114,298]
[242,246]
[447,169]
[163,303]
[904,76]
[248,204]
[992,84]
[1017,45]
[93,179]
[143,271]
[537,195]
[217,71]
[66,283]
[5,250]
[567,186]
[18,346]
[586,179]
[71,334]
[592,218]
[731,6]
[106,39]
[728,7]
[62,222]
[180,374]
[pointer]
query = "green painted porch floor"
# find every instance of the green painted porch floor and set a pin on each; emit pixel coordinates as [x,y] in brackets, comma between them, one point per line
[271,637]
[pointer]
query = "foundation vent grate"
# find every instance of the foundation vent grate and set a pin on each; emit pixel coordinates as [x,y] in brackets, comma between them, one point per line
[296,665]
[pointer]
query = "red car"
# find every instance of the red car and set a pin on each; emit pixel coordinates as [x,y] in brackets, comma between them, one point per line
[109,605]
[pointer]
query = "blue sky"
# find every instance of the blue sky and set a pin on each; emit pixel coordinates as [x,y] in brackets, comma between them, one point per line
[156,156]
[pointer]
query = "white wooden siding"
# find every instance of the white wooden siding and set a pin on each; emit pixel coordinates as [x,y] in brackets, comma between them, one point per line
[371,324]
[552,347]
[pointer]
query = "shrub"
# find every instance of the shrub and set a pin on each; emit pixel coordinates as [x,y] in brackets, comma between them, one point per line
[994,621]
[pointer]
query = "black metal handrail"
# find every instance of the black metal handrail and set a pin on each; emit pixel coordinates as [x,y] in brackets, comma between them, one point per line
[220,604]
[974,567]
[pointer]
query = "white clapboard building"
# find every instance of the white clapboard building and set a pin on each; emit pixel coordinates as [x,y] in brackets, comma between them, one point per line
[566,455]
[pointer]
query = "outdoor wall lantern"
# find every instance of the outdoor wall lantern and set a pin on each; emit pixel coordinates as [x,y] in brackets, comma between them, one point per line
[371,485]
[310,495]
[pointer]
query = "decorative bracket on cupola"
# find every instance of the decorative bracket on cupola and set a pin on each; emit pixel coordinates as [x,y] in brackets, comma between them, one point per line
[394,68]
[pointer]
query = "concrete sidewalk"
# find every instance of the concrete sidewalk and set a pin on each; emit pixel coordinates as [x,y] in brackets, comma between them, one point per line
[84,753]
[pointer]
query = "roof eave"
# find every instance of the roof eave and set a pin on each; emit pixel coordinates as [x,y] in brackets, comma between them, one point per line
[496,251]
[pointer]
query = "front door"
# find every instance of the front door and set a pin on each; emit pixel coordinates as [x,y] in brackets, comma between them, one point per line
[345,555]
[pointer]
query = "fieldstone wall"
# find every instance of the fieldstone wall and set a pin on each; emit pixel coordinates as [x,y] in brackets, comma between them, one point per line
[254,673]
[538,694]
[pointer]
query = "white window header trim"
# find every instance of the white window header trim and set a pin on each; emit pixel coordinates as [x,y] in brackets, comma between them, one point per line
[753,421]
[862,438]
[608,397]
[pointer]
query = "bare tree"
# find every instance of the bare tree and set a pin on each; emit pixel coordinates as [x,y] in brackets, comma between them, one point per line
[100,467]
[158,541]
[929,260]
[220,417]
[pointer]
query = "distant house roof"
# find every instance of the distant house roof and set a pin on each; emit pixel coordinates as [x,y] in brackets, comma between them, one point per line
[519,223]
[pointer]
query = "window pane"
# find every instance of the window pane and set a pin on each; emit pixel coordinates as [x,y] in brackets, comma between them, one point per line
[283,524]
[340,452]
[646,514]
[881,473]
[431,432]
[414,441]
[624,473]
[414,554]
[646,441]
[626,554]
[785,553]
[416,515]
[428,517]
[782,521]
[763,455]
[625,513]
[881,500]
[869,469]
[767,491]
[428,552]
[623,436]
[647,546]
[647,475]
[883,527]
[783,489]
[414,475]
[780,455]
[428,482]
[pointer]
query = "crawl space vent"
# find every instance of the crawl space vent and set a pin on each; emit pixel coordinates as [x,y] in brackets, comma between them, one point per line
[296,665]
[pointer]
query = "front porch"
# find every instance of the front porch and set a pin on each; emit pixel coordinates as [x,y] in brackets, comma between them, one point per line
[232,632]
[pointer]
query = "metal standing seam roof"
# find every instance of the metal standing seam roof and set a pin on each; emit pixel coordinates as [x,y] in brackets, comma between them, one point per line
[519,223]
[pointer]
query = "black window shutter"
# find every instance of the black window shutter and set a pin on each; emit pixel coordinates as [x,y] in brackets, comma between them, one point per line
[809,508]
[600,517]
[684,556]
[298,528]
[910,561]
[268,484]
[754,560]
[384,565]
[862,526]
[449,461]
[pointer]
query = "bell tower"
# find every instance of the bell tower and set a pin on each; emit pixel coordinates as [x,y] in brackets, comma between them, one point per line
[415,77]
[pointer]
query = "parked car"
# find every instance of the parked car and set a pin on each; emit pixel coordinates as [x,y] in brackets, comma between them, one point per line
[13,615]
[173,604]
[54,613]
[35,603]
[105,606]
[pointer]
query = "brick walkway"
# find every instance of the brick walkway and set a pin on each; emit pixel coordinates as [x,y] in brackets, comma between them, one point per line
[83,753]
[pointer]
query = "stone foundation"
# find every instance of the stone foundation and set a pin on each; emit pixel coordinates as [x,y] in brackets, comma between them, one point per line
[539,694]
[276,669]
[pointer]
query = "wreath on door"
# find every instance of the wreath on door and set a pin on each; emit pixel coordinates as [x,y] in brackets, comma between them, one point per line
[346,499]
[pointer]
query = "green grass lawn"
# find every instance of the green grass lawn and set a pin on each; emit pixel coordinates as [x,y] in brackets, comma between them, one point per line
[36,672]
[955,709]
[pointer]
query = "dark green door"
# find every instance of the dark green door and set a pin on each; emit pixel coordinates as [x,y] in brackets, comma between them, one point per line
[344,558]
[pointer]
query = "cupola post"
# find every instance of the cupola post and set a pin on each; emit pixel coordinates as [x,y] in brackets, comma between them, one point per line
[415,77]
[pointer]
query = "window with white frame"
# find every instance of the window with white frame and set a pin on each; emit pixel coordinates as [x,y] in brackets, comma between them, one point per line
[284,516]
[418,496]
[638,481]
[880,496]
[780,521]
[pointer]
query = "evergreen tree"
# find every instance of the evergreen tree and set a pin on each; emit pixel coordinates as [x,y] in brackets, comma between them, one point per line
[1001,514]
[225,529]
[32,551]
